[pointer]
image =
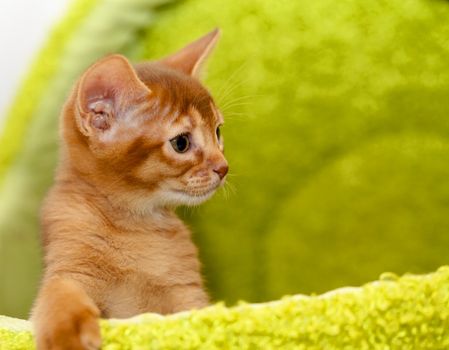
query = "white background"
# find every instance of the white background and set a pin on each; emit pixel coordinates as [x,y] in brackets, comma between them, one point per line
[24,26]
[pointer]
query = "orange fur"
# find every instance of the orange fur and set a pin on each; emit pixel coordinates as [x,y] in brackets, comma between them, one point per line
[113,244]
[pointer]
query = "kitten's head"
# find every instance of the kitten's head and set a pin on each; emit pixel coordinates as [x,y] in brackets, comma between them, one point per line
[147,134]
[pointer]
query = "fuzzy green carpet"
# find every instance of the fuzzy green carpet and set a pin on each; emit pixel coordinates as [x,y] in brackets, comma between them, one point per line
[408,313]
[336,131]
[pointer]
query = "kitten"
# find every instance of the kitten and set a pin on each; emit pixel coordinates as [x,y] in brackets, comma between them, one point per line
[137,141]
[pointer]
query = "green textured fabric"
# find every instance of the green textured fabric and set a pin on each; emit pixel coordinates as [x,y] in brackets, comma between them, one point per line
[408,313]
[91,30]
[336,132]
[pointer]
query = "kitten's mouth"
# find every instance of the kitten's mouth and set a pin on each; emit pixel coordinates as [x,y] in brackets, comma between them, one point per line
[196,197]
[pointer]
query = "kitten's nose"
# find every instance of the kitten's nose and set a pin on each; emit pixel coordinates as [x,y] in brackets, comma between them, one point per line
[221,170]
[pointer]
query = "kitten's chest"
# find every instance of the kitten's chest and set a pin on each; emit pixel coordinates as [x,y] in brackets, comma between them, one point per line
[149,266]
[157,257]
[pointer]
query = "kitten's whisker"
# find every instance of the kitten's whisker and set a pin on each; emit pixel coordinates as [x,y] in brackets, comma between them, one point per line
[240,98]
[193,210]
[225,192]
[232,117]
[249,99]
[237,102]
[232,175]
[228,92]
[246,97]
[233,105]
[236,114]
[230,188]
[227,82]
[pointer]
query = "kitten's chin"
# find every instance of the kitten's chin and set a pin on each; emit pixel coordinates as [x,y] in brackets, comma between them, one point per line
[176,197]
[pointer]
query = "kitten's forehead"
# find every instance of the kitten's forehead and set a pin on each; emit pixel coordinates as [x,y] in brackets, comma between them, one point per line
[176,91]
[188,122]
[212,115]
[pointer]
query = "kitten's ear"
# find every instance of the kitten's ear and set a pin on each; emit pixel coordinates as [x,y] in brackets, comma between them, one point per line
[191,58]
[105,91]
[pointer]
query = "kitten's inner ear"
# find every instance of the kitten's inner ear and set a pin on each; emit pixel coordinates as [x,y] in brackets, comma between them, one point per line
[105,92]
[191,58]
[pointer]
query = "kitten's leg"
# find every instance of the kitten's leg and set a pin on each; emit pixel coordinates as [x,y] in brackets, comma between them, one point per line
[187,297]
[65,317]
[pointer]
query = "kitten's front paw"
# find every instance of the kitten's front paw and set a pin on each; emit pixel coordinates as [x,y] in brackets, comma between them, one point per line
[70,331]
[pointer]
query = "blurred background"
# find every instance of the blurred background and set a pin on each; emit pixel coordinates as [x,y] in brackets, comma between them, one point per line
[337,126]
[22,32]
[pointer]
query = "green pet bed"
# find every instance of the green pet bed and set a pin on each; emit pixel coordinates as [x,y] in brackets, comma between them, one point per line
[406,313]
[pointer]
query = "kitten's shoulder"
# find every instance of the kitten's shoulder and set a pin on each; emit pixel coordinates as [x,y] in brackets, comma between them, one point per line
[65,210]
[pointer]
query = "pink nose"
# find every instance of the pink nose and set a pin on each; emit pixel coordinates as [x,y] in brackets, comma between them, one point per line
[221,170]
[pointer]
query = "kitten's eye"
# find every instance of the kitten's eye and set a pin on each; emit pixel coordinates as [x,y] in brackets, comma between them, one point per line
[180,143]
[218,132]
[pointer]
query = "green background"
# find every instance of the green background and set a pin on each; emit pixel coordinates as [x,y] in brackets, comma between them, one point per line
[337,117]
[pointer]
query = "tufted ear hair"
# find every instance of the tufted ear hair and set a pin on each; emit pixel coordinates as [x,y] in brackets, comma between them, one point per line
[190,59]
[105,91]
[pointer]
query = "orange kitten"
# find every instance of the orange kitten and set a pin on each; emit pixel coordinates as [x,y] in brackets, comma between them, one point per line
[137,141]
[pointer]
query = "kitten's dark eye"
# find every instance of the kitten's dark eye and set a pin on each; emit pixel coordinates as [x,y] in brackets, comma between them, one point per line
[180,143]
[218,132]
